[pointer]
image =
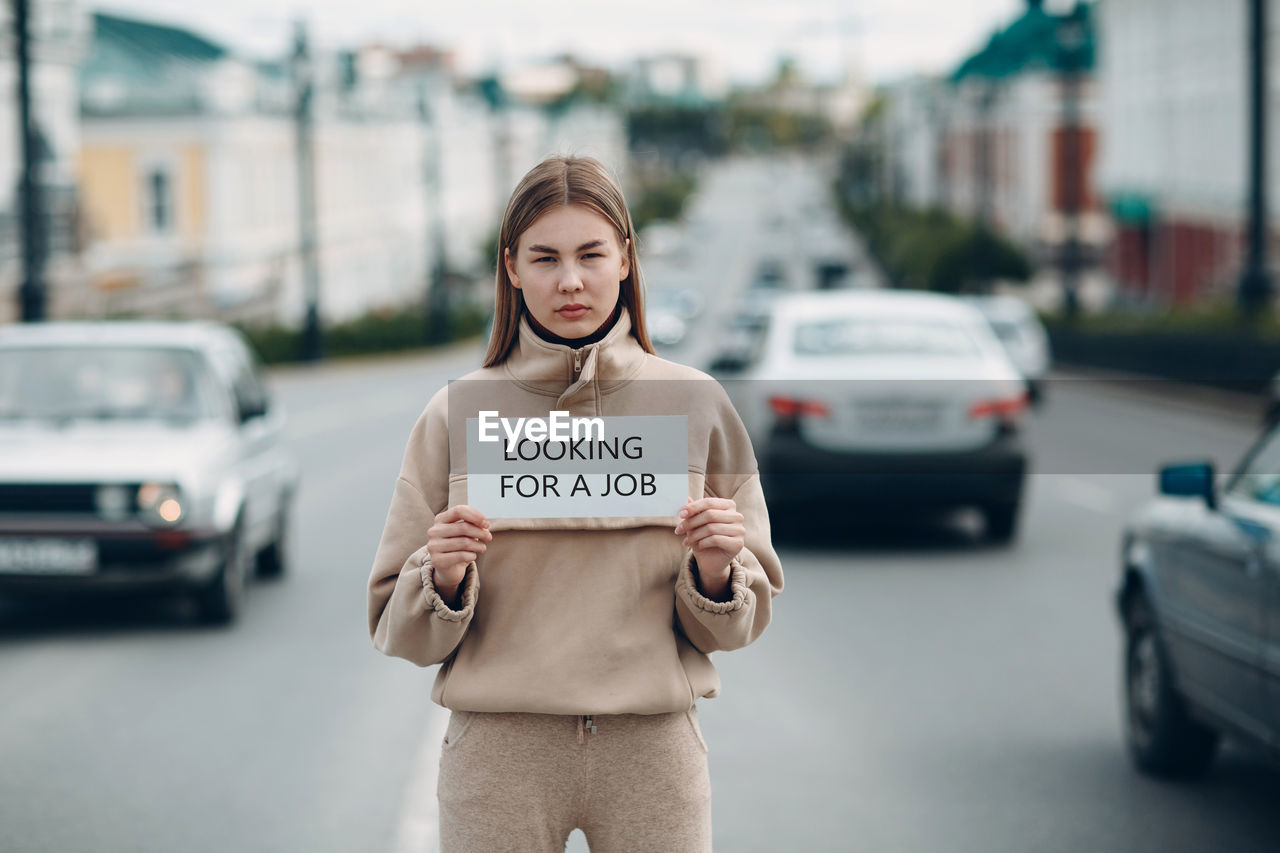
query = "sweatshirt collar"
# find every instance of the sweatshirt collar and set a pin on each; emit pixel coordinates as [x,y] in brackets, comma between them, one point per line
[560,369]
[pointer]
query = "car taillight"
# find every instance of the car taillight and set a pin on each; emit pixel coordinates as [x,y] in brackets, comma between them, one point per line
[1006,409]
[792,407]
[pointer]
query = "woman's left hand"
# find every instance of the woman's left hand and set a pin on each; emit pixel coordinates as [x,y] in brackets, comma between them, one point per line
[713,528]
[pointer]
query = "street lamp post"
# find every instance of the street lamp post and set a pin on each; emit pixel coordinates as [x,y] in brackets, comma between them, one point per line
[312,337]
[1255,281]
[32,291]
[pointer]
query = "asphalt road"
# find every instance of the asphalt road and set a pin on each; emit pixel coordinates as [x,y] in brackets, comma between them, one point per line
[917,691]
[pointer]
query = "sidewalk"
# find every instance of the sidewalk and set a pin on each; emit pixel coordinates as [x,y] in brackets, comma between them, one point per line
[1166,392]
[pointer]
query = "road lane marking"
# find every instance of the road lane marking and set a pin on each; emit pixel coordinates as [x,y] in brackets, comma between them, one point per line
[417,830]
[1086,495]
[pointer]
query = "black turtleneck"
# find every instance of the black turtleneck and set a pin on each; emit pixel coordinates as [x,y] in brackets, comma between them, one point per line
[576,343]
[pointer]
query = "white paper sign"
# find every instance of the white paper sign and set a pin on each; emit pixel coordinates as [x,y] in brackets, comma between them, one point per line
[621,466]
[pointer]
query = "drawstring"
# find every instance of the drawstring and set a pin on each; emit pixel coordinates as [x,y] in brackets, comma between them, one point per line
[585,724]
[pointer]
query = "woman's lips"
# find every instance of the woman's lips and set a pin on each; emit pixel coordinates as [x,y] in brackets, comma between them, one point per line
[573,312]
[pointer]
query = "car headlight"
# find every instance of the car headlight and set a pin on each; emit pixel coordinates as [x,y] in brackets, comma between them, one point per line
[160,504]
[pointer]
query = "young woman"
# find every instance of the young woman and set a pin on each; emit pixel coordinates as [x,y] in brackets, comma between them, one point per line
[573,649]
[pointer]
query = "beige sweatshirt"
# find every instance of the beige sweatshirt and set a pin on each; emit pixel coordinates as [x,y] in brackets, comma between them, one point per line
[572,616]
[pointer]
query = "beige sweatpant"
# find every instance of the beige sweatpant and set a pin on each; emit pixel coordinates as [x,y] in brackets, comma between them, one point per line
[522,782]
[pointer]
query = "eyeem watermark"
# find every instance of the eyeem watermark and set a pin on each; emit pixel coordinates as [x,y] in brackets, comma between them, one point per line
[557,426]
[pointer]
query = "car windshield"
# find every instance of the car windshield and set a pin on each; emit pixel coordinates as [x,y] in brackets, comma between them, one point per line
[882,336]
[1259,479]
[104,383]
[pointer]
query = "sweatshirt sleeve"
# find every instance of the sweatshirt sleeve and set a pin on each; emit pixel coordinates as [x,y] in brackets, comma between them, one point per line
[755,573]
[407,617]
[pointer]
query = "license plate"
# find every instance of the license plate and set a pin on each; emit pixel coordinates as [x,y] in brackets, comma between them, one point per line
[901,417]
[48,556]
[899,425]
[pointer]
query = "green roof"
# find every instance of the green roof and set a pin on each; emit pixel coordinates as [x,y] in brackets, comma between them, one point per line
[154,69]
[1036,40]
[155,41]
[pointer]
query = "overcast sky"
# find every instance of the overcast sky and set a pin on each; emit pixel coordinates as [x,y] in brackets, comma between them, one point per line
[882,39]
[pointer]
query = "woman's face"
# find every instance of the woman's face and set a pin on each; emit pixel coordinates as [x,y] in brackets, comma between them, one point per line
[569,265]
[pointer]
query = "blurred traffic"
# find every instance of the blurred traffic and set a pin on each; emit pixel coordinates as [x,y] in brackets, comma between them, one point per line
[1008,370]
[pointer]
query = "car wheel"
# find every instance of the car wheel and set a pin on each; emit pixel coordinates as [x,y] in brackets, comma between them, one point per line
[1162,738]
[219,601]
[273,560]
[1002,522]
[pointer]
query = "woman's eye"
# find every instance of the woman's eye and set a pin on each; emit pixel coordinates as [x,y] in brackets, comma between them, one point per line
[593,255]
[540,260]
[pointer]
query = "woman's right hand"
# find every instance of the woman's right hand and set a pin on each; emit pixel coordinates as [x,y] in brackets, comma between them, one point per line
[457,538]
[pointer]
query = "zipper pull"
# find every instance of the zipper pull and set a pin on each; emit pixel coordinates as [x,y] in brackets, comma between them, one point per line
[591,726]
[577,362]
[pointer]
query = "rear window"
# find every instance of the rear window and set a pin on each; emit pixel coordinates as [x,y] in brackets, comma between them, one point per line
[105,383]
[1006,330]
[882,336]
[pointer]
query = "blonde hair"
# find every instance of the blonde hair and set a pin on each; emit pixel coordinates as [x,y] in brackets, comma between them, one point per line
[559,182]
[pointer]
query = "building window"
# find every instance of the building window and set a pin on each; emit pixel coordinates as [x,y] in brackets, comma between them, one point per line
[159,200]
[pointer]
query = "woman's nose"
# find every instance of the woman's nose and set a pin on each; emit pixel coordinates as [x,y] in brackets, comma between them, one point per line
[571,281]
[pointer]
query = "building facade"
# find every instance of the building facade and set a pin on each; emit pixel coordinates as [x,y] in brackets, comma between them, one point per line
[188,169]
[1010,139]
[1174,99]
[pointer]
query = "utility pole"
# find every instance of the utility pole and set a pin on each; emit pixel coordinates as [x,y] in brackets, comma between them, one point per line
[312,339]
[32,291]
[941,190]
[984,154]
[1254,290]
[437,287]
[1071,47]
[495,96]
[985,171]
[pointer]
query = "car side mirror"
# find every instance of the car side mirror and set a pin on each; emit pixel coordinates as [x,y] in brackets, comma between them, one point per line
[249,411]
[1191,480]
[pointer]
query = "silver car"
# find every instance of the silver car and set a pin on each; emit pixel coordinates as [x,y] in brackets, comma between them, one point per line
[1023,336]
[1198,605]
[139,456]
[877,400]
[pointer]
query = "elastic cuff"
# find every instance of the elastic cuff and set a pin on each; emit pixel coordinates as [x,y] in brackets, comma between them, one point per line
[436,603]
[688,586]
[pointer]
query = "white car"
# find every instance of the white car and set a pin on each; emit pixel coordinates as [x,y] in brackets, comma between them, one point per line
[669,311]
[139,456]
[1023,337]
[884,400]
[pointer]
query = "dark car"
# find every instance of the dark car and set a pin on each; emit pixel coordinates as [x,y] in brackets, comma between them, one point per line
[1199,602]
